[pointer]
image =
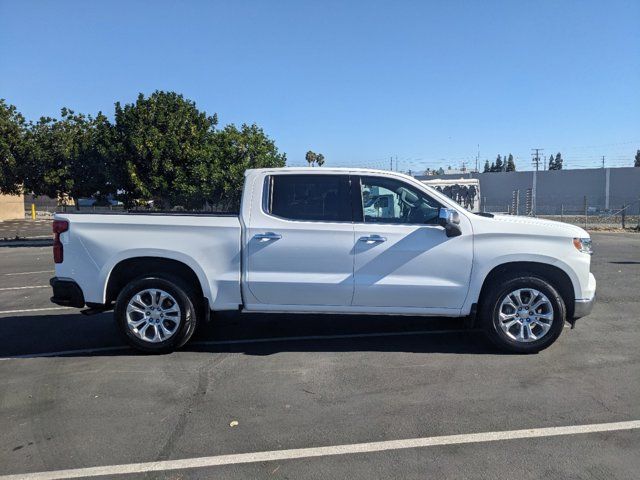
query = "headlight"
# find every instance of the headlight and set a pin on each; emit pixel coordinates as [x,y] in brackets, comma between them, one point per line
[583,245]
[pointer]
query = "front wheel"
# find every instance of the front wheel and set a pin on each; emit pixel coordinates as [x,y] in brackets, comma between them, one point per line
[156,315]
[523,314]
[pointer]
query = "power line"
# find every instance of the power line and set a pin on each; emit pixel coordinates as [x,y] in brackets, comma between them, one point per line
[536,158]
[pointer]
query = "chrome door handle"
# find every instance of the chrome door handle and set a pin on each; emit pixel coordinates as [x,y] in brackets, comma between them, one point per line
[373,239]
[263,237]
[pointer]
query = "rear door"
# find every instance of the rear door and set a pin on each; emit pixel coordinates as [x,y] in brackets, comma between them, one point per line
[403,257]
[300,242]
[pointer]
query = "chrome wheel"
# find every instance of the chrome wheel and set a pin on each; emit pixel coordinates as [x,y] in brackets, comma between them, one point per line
[526,315]
[153,315]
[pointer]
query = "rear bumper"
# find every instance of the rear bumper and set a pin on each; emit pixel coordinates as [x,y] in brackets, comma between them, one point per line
[66,293]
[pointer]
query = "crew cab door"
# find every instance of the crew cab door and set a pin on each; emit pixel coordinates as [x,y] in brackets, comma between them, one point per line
[403,257]
[299,243]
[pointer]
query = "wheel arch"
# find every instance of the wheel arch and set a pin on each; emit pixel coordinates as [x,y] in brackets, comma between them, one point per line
[555,275]
[126,269]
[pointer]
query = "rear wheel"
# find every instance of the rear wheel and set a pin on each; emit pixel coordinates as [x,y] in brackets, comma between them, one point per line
[523,314]
[155,314]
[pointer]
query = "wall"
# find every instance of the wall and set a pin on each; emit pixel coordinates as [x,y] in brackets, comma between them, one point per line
[11,207]
[558,190]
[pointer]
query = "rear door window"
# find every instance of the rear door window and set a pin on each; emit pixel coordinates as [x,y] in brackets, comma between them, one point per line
[312,197]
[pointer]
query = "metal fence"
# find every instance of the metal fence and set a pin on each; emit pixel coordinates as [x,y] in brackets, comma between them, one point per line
[579,212]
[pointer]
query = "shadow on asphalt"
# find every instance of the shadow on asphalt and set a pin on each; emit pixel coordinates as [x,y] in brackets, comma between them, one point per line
[251,334]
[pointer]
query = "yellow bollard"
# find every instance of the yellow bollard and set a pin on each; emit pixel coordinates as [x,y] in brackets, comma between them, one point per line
[33,211]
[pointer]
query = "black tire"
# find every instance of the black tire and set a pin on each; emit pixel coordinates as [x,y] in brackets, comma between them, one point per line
[490,310]
[184,297]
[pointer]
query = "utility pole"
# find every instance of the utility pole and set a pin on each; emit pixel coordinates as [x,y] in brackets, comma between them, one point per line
[391,163]
[396,163]
[602,161]
[536,157]
[477,158]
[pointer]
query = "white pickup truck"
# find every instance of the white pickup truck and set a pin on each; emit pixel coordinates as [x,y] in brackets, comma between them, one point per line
[303,242]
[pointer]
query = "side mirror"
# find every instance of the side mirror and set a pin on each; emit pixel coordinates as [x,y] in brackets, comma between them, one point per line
[450,220]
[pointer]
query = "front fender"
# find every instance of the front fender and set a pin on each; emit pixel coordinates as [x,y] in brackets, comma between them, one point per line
[482,270]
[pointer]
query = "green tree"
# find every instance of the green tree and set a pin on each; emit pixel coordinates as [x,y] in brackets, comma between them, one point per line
[498,165]
[552,163]
[12,145]
[557,162]
[235,150]
[510,166]
[70,156]
[637,161]
[487,167]
[164,150]
[320,159]
[311,158]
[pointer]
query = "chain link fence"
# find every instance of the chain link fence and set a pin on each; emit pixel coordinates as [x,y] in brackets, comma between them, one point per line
[580,212]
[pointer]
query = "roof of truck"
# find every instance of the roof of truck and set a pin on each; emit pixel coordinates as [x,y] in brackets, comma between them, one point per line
[321,170]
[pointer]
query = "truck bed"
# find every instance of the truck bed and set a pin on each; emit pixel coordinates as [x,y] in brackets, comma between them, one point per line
[208,242]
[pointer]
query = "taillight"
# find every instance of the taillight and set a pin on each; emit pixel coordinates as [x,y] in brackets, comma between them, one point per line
[59,226]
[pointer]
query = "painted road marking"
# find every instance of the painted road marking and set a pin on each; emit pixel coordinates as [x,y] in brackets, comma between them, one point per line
[24,288]
[241,341]
[349,449]
[34,310]
[28,273]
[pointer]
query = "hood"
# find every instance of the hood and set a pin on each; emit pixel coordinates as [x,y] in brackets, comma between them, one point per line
[538,224]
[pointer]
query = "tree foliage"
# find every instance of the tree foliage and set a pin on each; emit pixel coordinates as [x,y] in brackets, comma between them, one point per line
[498,166]
[160,148]
[487,167]
[555,163]
[12,142]
[69,157]
[234,151]
[314,158]
[510,165]
[164,149]
[637,159]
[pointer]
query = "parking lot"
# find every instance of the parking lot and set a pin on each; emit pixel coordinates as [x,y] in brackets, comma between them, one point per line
[382,396]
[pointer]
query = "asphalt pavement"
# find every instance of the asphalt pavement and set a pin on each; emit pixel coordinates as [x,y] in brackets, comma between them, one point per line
[72,396]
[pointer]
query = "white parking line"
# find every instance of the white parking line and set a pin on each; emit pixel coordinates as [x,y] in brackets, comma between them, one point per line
[24,288]
[28,273]
[349,449]
[34,310]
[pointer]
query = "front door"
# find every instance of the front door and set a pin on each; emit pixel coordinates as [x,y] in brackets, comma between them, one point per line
[300,243]
[403,257]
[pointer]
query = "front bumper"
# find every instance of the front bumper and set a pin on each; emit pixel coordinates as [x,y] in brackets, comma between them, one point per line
[583,306]
[66,293]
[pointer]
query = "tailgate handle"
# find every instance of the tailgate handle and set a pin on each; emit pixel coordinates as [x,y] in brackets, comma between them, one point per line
[265,237]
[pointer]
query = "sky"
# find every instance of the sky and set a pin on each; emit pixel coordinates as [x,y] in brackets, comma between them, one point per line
[429,82]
